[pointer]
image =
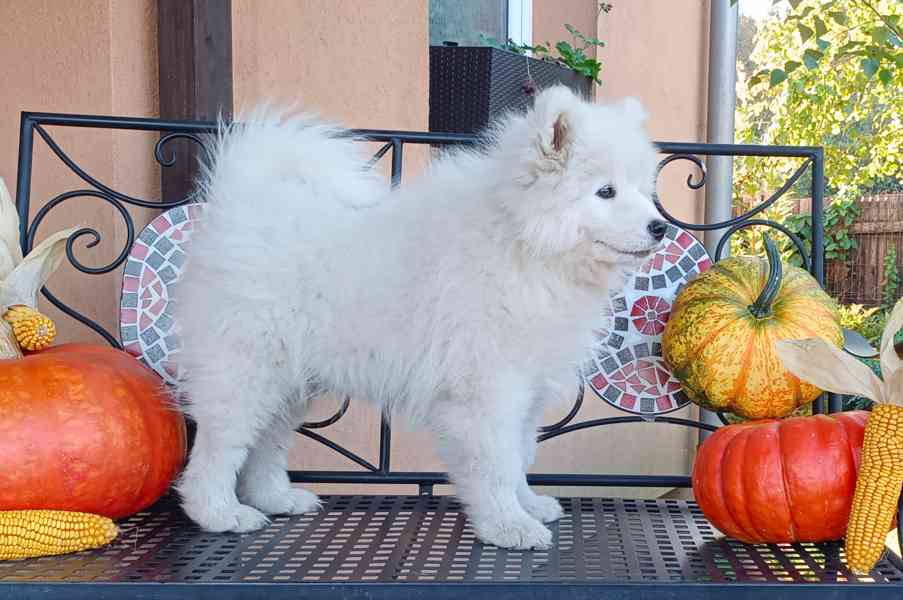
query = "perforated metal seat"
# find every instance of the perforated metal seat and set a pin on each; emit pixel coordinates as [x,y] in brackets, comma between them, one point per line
[370,543]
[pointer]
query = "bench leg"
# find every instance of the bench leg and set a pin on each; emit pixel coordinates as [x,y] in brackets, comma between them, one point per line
[480,439]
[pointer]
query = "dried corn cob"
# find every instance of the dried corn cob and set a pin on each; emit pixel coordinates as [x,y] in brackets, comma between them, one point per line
[32,330]
[881,472]
[877,488]
[31,533]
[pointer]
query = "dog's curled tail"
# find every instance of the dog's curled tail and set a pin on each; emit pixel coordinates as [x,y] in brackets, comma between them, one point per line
[268,151]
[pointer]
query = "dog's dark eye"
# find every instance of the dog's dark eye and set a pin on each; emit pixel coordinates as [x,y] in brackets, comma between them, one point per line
[606,192]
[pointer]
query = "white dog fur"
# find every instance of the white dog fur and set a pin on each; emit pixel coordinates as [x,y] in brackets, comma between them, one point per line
[463,301]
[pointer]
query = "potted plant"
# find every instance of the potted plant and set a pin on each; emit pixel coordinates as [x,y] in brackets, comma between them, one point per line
[471,85]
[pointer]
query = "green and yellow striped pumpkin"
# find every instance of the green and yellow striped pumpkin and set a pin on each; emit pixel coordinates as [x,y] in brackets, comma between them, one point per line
[720,338]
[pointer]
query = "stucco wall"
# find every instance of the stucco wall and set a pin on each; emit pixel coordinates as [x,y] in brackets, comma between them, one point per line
[95,57]
[364,64]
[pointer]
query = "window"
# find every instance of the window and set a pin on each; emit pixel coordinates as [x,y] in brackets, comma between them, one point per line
[466,23]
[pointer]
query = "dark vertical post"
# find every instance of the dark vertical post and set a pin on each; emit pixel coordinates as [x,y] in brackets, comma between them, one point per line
[833,401]
[23,177]
[195,50]
[818,215]
[397,161]
[385,444]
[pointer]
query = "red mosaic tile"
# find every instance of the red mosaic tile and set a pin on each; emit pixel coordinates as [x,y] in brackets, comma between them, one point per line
[139,250]
[157,308]
[663,376]
[147,276]
[161,223]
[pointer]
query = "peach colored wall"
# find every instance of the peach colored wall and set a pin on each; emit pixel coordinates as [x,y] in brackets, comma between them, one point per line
[657,51]
[550,16]
[96,57]
[363,63]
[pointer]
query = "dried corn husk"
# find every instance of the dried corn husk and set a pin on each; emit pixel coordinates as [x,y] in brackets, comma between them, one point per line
[22,278]
[836,371]
[10,251]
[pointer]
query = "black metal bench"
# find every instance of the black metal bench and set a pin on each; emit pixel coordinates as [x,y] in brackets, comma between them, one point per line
[373,547]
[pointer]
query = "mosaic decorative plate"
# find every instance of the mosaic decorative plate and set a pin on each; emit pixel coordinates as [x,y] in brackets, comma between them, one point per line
[628,371]
[153,266]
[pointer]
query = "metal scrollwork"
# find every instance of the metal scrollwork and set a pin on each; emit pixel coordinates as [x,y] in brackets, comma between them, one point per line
[171,160]
[701,182]
[578,403]
[125,198]
[339,413]
[196,133]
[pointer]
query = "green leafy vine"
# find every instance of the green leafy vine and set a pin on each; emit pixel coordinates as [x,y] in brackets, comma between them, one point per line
[572,55]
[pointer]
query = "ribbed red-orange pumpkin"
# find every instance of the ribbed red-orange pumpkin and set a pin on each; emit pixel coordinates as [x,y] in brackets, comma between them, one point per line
[789,480]
[85,428]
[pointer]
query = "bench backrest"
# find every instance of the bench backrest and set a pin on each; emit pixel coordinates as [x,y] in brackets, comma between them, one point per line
[393,144]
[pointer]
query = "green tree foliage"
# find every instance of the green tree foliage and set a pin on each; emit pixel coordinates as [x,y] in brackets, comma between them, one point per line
[890,287]
[823,73]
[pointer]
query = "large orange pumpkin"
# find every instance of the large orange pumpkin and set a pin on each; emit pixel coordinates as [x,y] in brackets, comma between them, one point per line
[85,428]
[781,481]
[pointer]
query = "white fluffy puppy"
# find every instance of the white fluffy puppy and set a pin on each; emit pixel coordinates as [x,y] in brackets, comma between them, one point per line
[463,301]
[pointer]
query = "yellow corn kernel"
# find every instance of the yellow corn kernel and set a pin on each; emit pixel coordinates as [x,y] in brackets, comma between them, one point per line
[31,533]
[32,330]
[877,488]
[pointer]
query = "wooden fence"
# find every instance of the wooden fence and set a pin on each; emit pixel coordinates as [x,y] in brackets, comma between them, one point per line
[859,279]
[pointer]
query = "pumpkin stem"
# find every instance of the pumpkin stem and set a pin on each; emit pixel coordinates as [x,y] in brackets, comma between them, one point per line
[761,308]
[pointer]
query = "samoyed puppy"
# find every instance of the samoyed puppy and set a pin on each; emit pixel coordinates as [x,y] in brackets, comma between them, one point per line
[463,301]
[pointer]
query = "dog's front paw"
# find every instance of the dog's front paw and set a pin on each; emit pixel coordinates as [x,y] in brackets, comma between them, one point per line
[519,534]
[291,501]
[545,508]
[237,518]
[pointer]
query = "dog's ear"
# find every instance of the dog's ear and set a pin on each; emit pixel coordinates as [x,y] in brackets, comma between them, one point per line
[551,123]
[633,110]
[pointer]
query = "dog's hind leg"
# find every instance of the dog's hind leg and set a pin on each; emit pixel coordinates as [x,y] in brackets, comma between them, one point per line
[231,404]
[480,438]
[263,481]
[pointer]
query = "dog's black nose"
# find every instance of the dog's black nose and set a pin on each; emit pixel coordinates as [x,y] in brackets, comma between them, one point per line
[657,229]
